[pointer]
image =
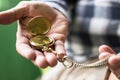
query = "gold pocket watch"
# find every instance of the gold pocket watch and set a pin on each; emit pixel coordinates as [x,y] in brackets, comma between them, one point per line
[38,27]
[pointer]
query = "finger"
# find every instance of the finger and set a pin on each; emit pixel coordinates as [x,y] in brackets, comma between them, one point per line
[60,49]
[105,48]
[114,61]
[40,60]
[114,64]
[24,49]
[51,58]
[104,51]
[9,16]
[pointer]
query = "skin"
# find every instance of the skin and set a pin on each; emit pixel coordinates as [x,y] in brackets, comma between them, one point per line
[22,13]
[26,10]
[113,62]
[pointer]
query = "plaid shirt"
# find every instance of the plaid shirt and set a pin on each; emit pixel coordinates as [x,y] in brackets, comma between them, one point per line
[92,23]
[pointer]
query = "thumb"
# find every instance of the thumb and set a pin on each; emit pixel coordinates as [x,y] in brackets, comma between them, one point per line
[114,65]
[11,15]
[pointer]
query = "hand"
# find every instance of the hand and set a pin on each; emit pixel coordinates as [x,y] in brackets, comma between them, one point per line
[23,12]
[114,61]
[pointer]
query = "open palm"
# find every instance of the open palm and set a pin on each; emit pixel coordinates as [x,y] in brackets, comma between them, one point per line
[23,12]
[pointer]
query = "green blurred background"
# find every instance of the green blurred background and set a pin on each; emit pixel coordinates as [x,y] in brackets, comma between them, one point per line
[12,65]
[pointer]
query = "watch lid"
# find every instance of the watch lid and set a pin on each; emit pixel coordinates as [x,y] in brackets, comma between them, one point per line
[39,26]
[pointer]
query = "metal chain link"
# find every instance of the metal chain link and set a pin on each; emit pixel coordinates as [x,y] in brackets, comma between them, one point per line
[68,63]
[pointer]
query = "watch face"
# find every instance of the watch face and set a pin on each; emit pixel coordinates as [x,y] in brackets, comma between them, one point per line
[41,41]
